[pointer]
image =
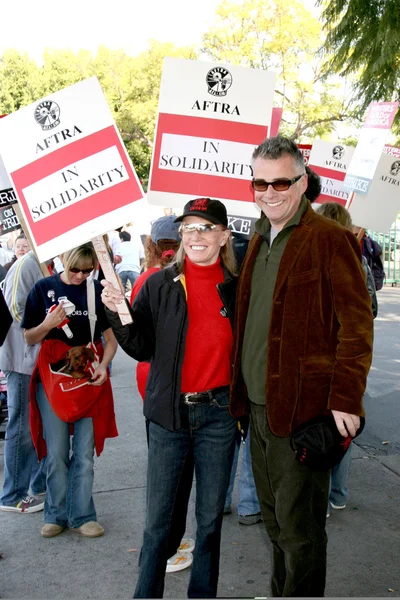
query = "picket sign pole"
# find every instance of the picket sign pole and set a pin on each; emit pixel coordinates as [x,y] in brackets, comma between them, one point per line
[360,234]
[109,274]
[21,219]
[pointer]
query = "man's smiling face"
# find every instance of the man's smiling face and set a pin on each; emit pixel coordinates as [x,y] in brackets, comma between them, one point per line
[279,207]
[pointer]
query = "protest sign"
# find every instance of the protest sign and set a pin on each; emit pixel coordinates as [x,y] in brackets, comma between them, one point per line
[392,151]
[69,168]
[211,116]
[305,149]
[275,121]
[378,209]
[8,220]
[379,119]
[331,161]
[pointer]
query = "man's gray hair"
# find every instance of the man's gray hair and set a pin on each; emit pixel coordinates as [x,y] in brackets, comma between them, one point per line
[276,147]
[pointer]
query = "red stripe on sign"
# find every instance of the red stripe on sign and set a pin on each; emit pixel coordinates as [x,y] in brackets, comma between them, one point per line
[202,184]
[245,133]
[64,157]
[199,185]
[330,173]
[84,210]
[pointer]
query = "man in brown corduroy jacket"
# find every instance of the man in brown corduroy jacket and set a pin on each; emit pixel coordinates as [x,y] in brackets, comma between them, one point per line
[303,348]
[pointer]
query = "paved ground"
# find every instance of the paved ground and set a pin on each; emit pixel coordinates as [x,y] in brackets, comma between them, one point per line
[364,539]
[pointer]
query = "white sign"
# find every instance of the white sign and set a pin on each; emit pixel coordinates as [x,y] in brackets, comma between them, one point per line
[211,117]
[371,142]
[378,209]
[70,169]
[331,160]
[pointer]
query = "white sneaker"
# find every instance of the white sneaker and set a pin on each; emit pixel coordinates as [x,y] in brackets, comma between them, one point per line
[178,562]
[187,545]
[337,506]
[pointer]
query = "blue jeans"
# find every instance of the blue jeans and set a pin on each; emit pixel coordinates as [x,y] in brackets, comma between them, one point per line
[21,467]
[126,276]
[248,501]
[208,431]
[69,498]
[339,492]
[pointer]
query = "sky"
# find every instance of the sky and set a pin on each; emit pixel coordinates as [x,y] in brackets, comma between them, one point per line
[126,24]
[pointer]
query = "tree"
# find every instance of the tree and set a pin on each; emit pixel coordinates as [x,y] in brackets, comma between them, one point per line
[282,36]
[19,81]
[363,37]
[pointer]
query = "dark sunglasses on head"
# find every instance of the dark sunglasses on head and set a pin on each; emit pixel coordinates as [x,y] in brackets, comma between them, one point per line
[279,185]
[83,271]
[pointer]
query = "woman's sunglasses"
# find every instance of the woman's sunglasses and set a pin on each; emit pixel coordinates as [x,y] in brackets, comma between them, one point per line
[84,271]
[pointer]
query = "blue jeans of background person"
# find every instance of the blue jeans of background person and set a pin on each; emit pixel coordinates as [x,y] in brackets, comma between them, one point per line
[126,276]
[209,432]
[69,498]
[21,467]
[339,492]
[248,501]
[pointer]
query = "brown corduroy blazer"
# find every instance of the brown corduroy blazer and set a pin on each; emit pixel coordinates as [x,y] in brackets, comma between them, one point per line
[321,328]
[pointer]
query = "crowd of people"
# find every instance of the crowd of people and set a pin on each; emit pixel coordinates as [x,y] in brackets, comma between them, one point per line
[252,346]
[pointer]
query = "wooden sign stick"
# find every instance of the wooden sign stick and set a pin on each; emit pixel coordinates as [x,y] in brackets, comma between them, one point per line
[360,233]
[25,229]
[109,274]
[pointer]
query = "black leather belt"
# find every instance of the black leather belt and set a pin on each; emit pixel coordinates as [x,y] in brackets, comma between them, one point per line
[202,397]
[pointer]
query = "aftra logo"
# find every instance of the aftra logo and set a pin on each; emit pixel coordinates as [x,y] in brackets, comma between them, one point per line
[47,114]
[395,168]
[218,80]
[337,152]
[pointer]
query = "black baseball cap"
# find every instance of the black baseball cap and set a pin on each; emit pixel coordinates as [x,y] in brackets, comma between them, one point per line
[318,444]
[212,210]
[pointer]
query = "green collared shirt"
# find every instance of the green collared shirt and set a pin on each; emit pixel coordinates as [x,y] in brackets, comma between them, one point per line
[265,272]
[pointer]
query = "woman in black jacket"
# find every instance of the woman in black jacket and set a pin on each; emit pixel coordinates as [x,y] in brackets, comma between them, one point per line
[182,323]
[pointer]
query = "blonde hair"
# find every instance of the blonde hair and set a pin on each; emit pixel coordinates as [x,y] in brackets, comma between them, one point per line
[75,257]
[226,254]
[336,212]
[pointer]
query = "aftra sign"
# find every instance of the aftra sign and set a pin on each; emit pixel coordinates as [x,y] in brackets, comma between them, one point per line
[70,170]
[379,119]
[331,161]
[207,128]
[378,209]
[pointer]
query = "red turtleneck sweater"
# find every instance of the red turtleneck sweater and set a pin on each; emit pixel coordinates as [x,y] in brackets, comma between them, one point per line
[207,361]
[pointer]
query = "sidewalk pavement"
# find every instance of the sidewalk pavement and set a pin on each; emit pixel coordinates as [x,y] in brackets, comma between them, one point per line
[364,539]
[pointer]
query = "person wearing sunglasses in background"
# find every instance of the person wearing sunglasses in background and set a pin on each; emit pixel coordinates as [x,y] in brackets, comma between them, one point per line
[303,348]
[57,315]
[182,323]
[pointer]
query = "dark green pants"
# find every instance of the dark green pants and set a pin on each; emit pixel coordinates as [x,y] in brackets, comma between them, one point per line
[293,500]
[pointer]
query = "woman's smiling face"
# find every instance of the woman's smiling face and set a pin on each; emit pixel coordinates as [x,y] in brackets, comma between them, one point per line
[203,247]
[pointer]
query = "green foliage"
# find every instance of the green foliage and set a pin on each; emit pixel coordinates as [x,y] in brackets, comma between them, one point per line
[281,36]
[363,38]
[19,81]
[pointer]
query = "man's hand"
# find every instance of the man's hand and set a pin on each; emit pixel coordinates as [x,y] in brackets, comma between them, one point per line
[346,423]
[99,376]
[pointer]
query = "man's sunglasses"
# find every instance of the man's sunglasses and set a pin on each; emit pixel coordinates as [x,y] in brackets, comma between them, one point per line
[279,185]
[83,271]
[200,227]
